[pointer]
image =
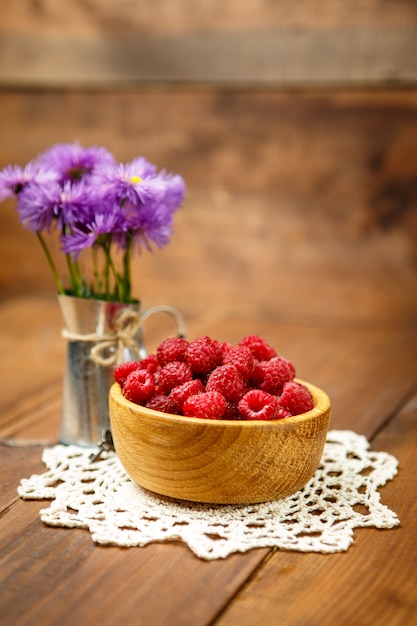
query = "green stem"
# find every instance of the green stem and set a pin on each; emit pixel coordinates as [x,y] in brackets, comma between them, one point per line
[117,280]
[97,280]
[126,271]
[74,278]
[106,272]
[51,263]
[80,281]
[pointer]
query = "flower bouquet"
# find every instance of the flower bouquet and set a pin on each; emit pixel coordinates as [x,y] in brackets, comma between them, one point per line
[95,204]
[104,213]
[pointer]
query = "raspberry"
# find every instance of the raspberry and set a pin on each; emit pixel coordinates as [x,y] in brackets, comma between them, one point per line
[241,357]
[260,349]
[296,398]
[206,405]
[203,354]
[227,380]
[123,370]
[232,412]
[271,375]
[172,375]
[225,347]
[139,386]
[162,403]
[182,392]
[213,380]
[172,349]
[259,405]
[150,363]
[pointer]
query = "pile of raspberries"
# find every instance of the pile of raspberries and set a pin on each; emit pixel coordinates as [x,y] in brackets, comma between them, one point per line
[211,380]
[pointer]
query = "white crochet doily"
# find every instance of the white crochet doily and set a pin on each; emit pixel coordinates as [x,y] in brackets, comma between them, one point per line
[99,496]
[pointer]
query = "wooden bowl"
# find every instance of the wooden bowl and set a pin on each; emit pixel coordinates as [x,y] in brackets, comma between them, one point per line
[218,461]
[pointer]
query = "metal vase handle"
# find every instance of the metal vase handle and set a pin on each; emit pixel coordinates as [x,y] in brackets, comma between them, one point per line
[161,308]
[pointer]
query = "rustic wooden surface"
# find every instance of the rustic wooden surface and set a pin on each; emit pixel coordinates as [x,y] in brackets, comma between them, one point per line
[301,228]
[51,575]
[282,187]
[287,43]
[300,224]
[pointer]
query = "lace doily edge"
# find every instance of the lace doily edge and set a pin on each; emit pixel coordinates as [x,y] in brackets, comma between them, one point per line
[100,534]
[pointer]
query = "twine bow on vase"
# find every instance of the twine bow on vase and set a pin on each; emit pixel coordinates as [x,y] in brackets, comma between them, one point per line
[108,350]
[100,335]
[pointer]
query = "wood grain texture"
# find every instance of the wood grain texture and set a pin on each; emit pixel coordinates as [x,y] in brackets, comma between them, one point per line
[15,460]
[40,370]
[291,57]
[373,583]
[52,17]
[259,42]
[299,224]
[62,577]
[219,461]
[314,190]
[50,575]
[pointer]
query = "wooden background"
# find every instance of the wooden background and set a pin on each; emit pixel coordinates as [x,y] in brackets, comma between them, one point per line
[293,124]
[310,41]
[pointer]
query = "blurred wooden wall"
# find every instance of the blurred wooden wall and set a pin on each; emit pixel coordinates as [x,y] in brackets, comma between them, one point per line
[293,124]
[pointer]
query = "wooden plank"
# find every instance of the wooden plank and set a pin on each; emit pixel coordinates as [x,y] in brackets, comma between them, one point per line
[33,350]
[287,57]
[285,191]
[57,17]
[51,576]
[258,42]
[366,370]
[373,583]
[39,588]
[17,462]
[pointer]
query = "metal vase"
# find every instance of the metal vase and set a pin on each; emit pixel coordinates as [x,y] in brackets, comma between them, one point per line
[93,351]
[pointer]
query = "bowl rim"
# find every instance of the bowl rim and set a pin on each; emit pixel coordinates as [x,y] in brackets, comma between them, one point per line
[321,405]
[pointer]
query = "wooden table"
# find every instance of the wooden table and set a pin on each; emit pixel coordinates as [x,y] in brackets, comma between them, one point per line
[300,226]
[59,576]
[295,129]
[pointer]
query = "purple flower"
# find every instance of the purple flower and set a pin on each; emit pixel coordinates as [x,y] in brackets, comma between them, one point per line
[174,190]
[73,162]
[152,223]
[13,179]
[98,230]
[144,200]
[133,183]
[155,227]
[94,203]
[42,206]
